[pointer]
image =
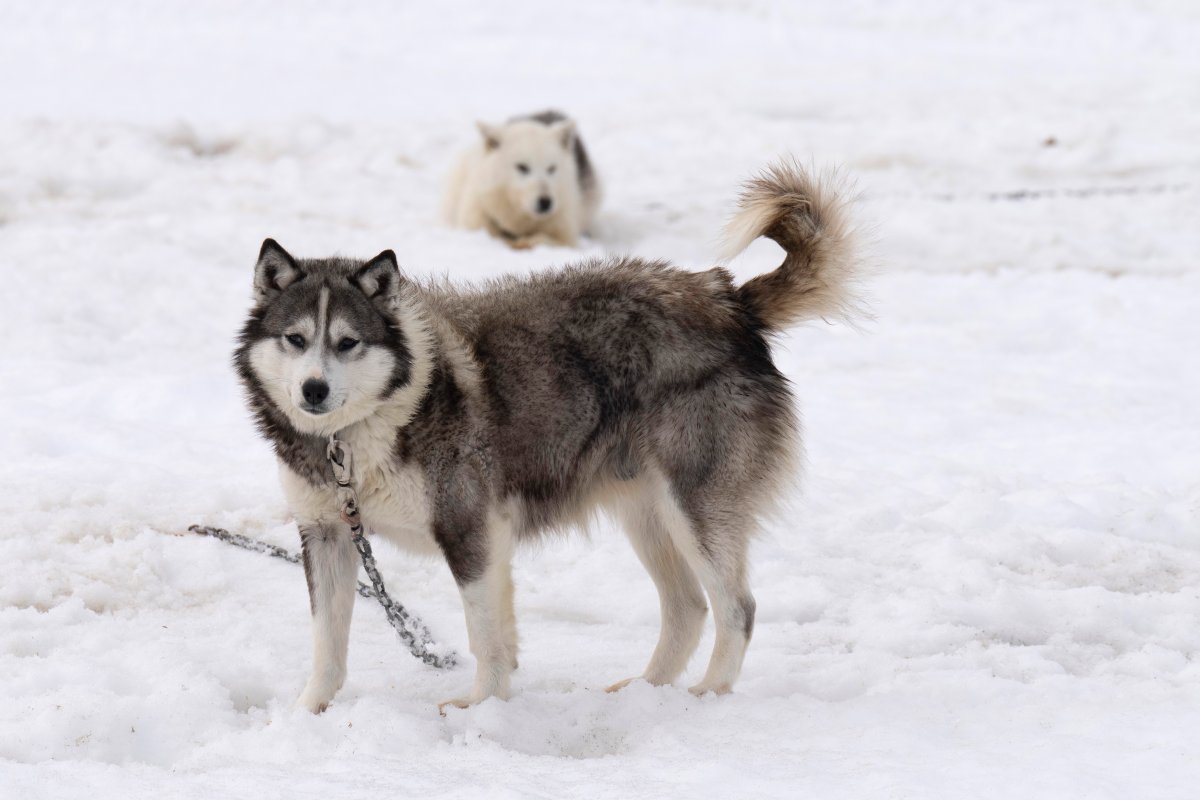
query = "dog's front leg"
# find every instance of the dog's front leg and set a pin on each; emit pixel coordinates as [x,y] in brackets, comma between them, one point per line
[331,567]
[536,239]
[484,602]
[487,595]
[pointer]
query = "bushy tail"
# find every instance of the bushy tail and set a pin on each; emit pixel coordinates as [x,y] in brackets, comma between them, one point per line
[806,216]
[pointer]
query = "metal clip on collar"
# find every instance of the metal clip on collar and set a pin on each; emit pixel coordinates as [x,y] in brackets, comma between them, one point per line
[342,462]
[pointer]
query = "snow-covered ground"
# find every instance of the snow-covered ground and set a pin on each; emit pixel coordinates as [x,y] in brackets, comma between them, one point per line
[990,585]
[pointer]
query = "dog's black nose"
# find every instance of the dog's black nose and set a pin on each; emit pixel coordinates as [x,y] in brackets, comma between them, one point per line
[544,204]
[315,391]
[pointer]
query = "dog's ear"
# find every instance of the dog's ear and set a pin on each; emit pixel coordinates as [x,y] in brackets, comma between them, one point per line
[379,279]
[275,271]
[490,133]
[565,130]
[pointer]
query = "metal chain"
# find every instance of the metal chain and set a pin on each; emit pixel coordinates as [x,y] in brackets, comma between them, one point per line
[415,635]
[245,542]
[411,630]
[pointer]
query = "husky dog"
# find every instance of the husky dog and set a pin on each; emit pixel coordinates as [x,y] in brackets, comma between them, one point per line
[481,418]
[527,182]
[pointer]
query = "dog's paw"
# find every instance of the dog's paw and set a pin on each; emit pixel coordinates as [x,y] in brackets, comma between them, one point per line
[316,696]
[701,689]
[314,706]
[458,702]
[476,697]
[619,685]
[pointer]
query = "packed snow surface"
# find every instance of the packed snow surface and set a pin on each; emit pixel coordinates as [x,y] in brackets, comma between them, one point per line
[989,584]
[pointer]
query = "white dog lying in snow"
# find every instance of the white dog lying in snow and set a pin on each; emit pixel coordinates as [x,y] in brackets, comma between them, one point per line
[528,182]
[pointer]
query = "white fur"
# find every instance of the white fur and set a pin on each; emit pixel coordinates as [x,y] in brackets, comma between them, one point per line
[392,498]
[487,190]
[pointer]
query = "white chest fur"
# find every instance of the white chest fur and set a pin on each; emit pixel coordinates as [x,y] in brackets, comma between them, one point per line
[392,498]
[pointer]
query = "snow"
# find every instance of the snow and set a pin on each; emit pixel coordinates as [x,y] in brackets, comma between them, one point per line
[990,583]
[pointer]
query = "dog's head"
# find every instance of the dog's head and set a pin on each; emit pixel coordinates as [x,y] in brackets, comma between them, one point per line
[329,342]
[532,164]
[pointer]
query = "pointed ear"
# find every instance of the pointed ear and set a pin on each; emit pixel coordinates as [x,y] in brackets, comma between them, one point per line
[490,134]
[379,278]
[275,271]
[565,130]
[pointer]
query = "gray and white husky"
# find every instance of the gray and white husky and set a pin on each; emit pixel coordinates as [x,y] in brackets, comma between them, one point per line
[481,418]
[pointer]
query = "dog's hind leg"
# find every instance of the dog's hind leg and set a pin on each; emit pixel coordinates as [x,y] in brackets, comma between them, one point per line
[713,535]
[718,555]
[681,601]
[330,566]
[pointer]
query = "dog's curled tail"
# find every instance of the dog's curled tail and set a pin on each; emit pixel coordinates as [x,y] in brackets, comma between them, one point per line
[806,216]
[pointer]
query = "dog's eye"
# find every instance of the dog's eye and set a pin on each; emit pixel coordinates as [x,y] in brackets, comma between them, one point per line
[551,169]
[523,169]
[347,344]
[296,340]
